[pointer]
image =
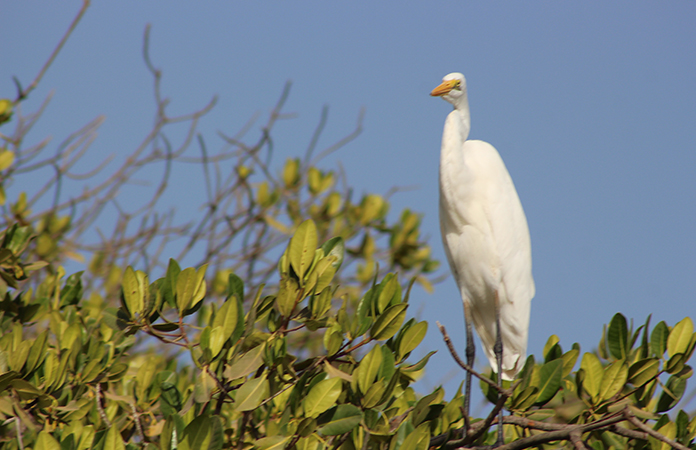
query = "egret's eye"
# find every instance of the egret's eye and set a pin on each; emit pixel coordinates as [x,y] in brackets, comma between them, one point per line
[457,86]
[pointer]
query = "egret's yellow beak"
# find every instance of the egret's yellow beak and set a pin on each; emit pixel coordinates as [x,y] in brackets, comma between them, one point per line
[444,88]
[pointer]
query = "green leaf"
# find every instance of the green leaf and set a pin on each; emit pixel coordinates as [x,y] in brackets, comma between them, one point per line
[680,337]
[340,420]
[551,342]
[272,442]
[45,441]
[322,397]
[672,393]
[675,364]
[204,432]
[133,292]
[235,286]
[389,322]
[335,247]
[420,364]
[369,366]
[569,359]
[418,439]
[113,440]
[203,387]
[617,337]
[658,339]
[643,371]
[302,247]
[37,352]
[613,380]
[248,363]
[389,292]
[412,338]
[550,377]
[228,317]
[373,395]
[252,393]
[287,296]
[185,289]
[593,373]
[525,399]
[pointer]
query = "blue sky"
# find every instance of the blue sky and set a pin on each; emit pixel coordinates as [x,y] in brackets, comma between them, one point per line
[592,105]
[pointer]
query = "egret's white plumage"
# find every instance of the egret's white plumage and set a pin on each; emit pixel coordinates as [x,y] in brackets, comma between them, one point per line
[484,231]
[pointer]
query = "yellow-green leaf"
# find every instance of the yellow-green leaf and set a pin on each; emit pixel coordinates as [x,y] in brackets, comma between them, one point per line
[45,441]
[369,366]
[252,393]
[412,338]
[680,337]
[643,371]
[613,380]
[550,376]
[248,363]
[272,442]
[113,440]
[203,387]
[322,397]
[593,374]
[302,247]
[6,158]
[133,292]
[389,322]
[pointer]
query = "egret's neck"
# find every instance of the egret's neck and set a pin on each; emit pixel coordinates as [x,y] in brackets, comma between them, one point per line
[457,128]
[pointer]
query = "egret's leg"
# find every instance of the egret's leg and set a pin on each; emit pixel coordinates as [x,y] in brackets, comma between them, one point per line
[470,355]
[498,350]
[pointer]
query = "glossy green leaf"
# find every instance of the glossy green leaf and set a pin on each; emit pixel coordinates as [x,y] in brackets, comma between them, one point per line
[420,364]
[203,387]
[287,296]
[340,420]
[671,394]
[569,359]
[248,363]
[613,380]
[593,373]
[369,367]
[113,440]
[525,399]
[389,322]
[658,339]
[335,247]
[389,292]
[322,397]
[230,317]
[45,441]
[550,376]
[302,247]
[272,442]
[675,364]
[412,338]
[252,393]
[617,337]
[37,351]
[680,337]
[418,439]
[133,293]
[204,432]
[235,286]
[641,372]
[551,342]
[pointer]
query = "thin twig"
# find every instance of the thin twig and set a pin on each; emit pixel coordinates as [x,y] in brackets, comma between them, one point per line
[22,94]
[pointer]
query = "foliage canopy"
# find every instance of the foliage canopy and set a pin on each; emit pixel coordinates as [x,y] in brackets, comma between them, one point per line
[291,331]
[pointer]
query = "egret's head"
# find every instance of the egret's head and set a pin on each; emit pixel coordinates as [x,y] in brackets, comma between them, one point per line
[452,88]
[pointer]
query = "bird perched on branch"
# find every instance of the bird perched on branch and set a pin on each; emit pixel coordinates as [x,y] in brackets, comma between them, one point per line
[486,239]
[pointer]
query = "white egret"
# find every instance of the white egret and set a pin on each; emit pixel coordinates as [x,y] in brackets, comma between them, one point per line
[486,239]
